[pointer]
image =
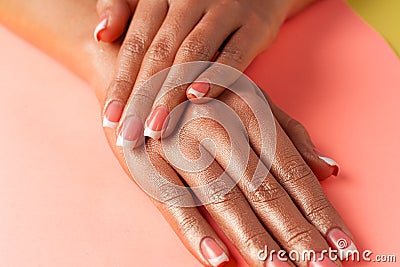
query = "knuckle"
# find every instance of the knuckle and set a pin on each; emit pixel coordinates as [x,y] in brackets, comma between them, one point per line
[174,85]
[202,111]
[234,54]
[172,195]
[254,239]
[121,86]
[237,101]
[295,125]
[122,81]
[175,24]
[266,193]
[222,200]
[303,236]
[195,48]
[269,25]
[231,5]
[134,44]
[160,50]
[143,98]
[317,208]
[188,224]
[295,170]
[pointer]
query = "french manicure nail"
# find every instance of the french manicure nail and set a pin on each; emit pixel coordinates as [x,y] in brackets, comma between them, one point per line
[276,262]
[113,114]
[157,122]
[321,261]
[213,252]
[198,89]
[100,27]
[130,133]
[337,239]
[330,162]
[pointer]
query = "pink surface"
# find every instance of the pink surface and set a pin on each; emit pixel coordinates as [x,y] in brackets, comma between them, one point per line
[64,201]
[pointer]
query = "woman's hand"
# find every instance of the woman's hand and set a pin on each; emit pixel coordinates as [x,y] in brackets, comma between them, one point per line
[312,221]
[286,210]
[281,209]
[162,33]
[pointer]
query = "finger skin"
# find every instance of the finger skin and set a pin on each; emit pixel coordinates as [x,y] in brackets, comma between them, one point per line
[117,14]
[187,222]
[301,139]
[161,53]
[299,180]
[100,71]
[233,216]
[240,49]
[290,170]
[200,45]
[238,53]
[191,228]
[146,51]
[137,41]
[230,211]
[269,201]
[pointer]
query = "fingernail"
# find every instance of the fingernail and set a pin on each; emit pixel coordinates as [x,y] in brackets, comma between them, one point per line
[198,89]
[100,27]
[130,133]
[276,262]
[213,252]
[157,122]
[330,162]
[337,239]
[321,261]
[113,114]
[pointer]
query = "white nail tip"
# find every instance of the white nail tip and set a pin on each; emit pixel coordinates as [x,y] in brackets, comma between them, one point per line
[217,261]
[329,161]
[109,124]
[346,253]
[124,143]
[101,26]
[120,141]
[152,134]
[197,94]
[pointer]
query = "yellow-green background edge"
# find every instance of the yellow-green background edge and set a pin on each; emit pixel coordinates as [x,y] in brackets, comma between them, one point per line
[383,16]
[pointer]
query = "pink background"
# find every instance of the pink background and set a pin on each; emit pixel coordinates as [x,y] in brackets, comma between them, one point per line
[64,200]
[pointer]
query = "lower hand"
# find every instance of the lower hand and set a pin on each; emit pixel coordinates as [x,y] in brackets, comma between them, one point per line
[287,211]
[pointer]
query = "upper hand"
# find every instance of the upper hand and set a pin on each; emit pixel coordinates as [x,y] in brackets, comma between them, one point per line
[164,33]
